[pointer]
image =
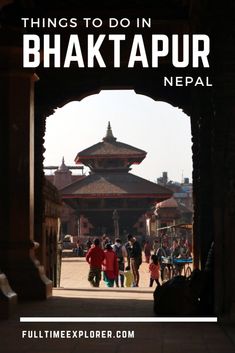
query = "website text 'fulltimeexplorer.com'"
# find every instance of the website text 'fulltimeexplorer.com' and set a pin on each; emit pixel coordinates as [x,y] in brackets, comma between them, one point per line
[78,334]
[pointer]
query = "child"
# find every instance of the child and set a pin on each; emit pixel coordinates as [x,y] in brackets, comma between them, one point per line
[128,276]
[154,269]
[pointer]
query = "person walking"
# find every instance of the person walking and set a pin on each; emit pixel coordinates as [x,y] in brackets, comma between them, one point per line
[88,244]
[154,269]
[110,265]
[78,250]
[155,246]
[135,253]
[128,276]
[105,240]
[95,257]
[127,247]
[120,251]
[176,253]
[163,251]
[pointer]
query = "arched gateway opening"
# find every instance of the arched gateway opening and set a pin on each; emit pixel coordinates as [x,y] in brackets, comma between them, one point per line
[25,104]
[91,196]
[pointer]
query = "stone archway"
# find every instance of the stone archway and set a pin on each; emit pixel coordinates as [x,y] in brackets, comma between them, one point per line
[142,91]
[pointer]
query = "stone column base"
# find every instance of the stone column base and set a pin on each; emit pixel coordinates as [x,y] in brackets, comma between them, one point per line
[8,298]
[30,282]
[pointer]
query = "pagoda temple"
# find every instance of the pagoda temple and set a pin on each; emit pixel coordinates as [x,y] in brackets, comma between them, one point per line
[110,193]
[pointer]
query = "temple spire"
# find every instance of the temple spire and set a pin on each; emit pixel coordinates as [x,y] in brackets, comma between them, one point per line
[63,167]
[109,134]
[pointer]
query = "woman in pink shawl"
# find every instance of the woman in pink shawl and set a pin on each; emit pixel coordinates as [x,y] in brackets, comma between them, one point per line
[110,266]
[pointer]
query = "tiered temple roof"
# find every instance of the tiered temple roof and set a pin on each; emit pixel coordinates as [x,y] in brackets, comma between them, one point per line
[113,185]
[110,154]
[110,162]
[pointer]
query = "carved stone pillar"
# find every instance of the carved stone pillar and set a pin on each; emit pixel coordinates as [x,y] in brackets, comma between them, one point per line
[39,201]
[17,259]
[8,298]
[195,176]
[206,228]
[224,206]
[230,213]
[201,124]
[223,154]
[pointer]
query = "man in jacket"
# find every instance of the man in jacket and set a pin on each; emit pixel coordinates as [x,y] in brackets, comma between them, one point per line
[95,258]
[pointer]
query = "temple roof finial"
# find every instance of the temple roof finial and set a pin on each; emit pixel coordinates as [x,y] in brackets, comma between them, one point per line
[63,167]
[109,134]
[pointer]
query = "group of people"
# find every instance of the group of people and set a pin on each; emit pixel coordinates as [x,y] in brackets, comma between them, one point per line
[179,249]
[119,263]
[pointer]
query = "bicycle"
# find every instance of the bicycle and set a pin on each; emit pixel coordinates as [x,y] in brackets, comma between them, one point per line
[186,265]
[173,267]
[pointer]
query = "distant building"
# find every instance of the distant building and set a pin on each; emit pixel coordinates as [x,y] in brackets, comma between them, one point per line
[176,210]
[62,177]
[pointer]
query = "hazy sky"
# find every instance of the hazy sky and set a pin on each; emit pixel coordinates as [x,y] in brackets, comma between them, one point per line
[156,127]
